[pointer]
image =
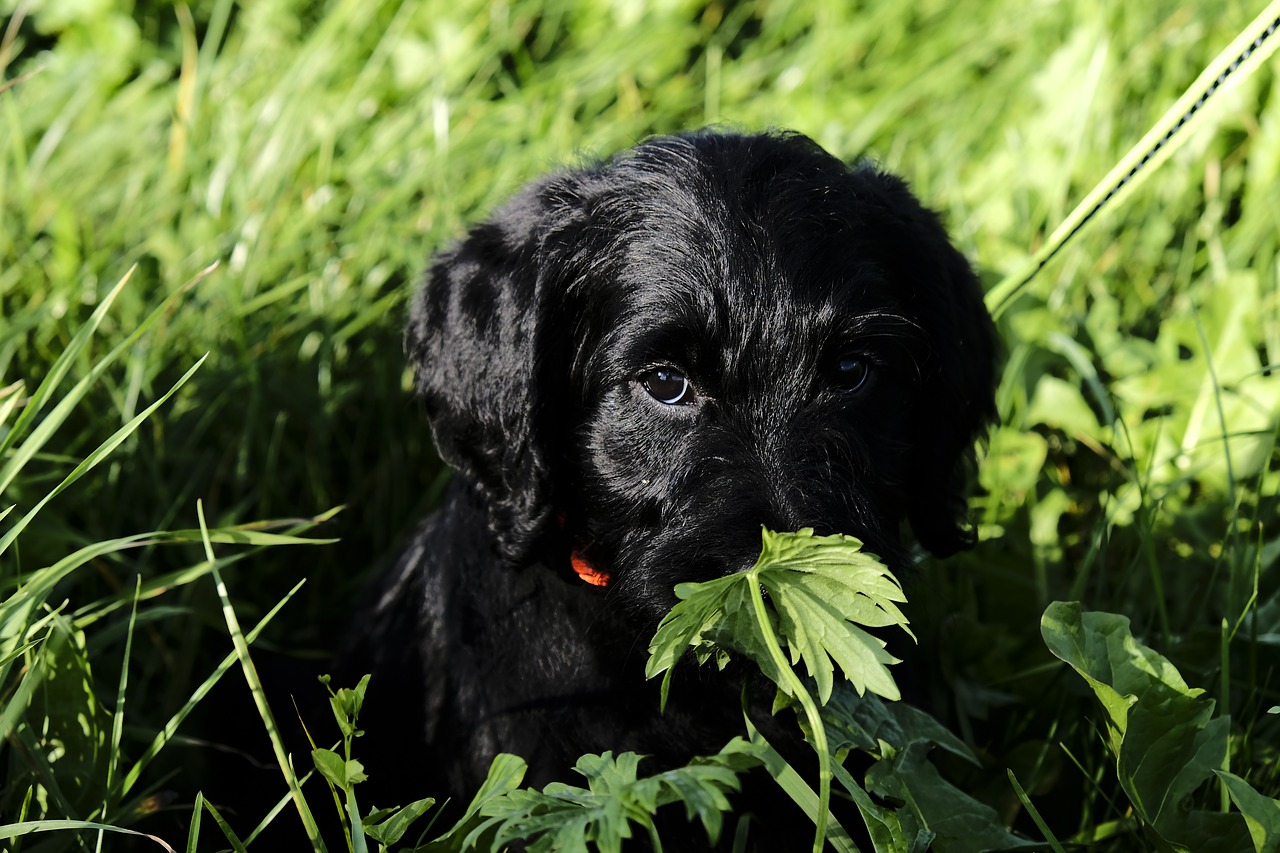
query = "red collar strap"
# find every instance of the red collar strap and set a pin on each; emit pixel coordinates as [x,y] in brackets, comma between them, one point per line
[581,567]
[588,572]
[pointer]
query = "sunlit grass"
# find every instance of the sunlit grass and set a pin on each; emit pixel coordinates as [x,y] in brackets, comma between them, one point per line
[318,152]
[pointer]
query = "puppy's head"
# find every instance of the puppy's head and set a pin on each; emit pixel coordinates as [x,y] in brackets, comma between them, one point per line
[650,358]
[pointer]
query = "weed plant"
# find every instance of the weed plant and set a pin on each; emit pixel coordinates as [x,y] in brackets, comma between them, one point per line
[211,216]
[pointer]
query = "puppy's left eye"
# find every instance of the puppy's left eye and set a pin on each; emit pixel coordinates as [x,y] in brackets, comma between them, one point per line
[668,385]
[851,371]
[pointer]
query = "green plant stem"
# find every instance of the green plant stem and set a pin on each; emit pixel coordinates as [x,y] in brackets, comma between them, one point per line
[654,840]
[1224,795]
[259,694]
[814,715]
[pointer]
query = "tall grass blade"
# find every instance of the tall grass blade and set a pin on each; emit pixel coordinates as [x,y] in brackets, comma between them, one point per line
[193,831]
[59,369]
[1053,842]
[117,718]
[171,727]
[234,840]
[16,704]
[41,434]
[17,830]
[259,694]
[280,806]
[101,452]
[9,398]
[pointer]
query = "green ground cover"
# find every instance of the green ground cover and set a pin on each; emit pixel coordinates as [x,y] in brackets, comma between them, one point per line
[317,152]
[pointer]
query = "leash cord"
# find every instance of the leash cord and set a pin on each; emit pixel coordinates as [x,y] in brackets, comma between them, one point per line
[1249,49]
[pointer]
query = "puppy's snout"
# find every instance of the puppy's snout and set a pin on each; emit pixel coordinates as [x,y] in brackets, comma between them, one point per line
[740,542]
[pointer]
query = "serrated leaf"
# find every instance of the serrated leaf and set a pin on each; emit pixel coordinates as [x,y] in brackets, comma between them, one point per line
[820,588]
[701,606]
[818,633]
[506,772]
[565,817]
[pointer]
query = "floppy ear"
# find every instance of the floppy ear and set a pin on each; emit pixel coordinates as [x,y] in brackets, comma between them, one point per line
[479,341]
[955,403]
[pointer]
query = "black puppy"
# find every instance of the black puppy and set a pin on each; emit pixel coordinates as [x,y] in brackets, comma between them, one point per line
[633,366]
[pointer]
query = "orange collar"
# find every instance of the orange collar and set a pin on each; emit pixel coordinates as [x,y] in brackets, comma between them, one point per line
[588,572]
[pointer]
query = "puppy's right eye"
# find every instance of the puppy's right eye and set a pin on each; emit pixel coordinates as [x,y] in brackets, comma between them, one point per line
[668,385]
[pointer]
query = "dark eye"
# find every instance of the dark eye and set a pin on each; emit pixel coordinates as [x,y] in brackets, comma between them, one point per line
[668,385]
[852,372]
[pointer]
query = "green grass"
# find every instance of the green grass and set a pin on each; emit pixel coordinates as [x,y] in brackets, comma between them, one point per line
[318,152]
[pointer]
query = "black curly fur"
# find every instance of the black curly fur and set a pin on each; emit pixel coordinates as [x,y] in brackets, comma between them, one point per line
[752,264]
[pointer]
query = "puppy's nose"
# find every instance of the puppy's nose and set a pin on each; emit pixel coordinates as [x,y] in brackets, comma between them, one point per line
[744,551]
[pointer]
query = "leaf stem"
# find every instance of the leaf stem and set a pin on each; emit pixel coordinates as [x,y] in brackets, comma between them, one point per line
[796,688]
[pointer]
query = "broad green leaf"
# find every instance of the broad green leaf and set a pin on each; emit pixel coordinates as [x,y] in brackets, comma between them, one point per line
[1162,733]
[391,824]
[934,814]
[958,822]
[866,721]
[1261,814]
[1014,461]
[331,766]
[1058,403]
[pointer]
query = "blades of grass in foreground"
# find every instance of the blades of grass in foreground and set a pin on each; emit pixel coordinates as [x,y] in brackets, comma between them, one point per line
[117,719]
[17,702]
[57,371]
[800,792]
[9,397]
[1052,841]
[40,434]
[193,831]
[275,810]
[1234,64]
[234,840]
[259,695]
[100,453]
[171,727]
[16,611]
[17,830]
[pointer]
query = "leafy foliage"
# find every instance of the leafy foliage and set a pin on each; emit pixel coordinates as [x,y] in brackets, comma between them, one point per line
[1162,733]
[821,588]
[566,817]
[320,149]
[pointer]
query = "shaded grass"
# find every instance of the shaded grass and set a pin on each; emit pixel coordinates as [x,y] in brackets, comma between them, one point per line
[319,151]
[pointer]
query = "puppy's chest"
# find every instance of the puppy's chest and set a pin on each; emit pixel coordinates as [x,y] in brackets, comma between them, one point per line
[534,638]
